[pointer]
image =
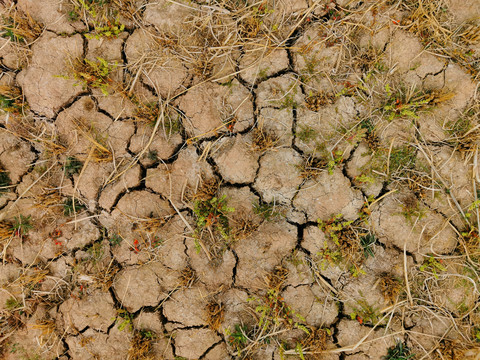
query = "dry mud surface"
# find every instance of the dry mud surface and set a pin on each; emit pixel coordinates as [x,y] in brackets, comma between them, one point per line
[212,180]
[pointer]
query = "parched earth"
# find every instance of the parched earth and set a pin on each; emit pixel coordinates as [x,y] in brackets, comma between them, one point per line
[236,180]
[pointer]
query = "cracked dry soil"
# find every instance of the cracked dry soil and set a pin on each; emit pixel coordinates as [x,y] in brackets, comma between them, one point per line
[238,180]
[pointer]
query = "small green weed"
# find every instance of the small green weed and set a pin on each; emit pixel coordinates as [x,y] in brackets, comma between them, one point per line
[365,313]
[266,210]
[238,339]
[71,207]
[72,166]
[115,240]
[94,74]
[402,104]
[110,30]
[213,214]
[402,159]
[5,181]
[11,99]
[432,265]
[476,334]
[334,227]
[399,352]
[367,243]
[306,133]
[22,225]
[124,320]
[12,304]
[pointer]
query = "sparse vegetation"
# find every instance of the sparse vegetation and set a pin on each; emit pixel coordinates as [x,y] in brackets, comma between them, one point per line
[72,165]
[399,352]
[22,225]
[392,115]
[72,206]
[94,74]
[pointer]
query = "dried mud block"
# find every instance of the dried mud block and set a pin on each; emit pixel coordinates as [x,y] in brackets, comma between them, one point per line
[110,193]
[15,155]
[464,10]
[279,92]
[80,126]
[279,177]
[223,107]
[313,303]
[92,180]
[44,88]
[394,219]
[167,16]
[299,271]
[236,160]
[170,250]
[288,7]
[53,14]
[186,173]
[108,49]
[91,345]
[95,311]
[219,352]
[462,293]
[387,261]
[408,56]
[163,144]
[153,281]
[242,200]
[214,274]
[234,303]
[8,274]
[193,343]
[360,160]
[159,67]
[329,195]
[350,332]
[258,64]
[262,251]
[320,128]
[186,307]
[143,204]
[277,124]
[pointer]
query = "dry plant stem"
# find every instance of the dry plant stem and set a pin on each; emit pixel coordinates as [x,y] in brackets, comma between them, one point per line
[92,149]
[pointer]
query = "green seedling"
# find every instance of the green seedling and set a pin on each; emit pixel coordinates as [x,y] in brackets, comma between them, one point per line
[71,207]
[399,352]
[22,225]
[433,265]
[306,133]
[115,240]
[72,166]
[365,313]
[124,320]
[265,210]
[5,181]
[238,339]
[367,243]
